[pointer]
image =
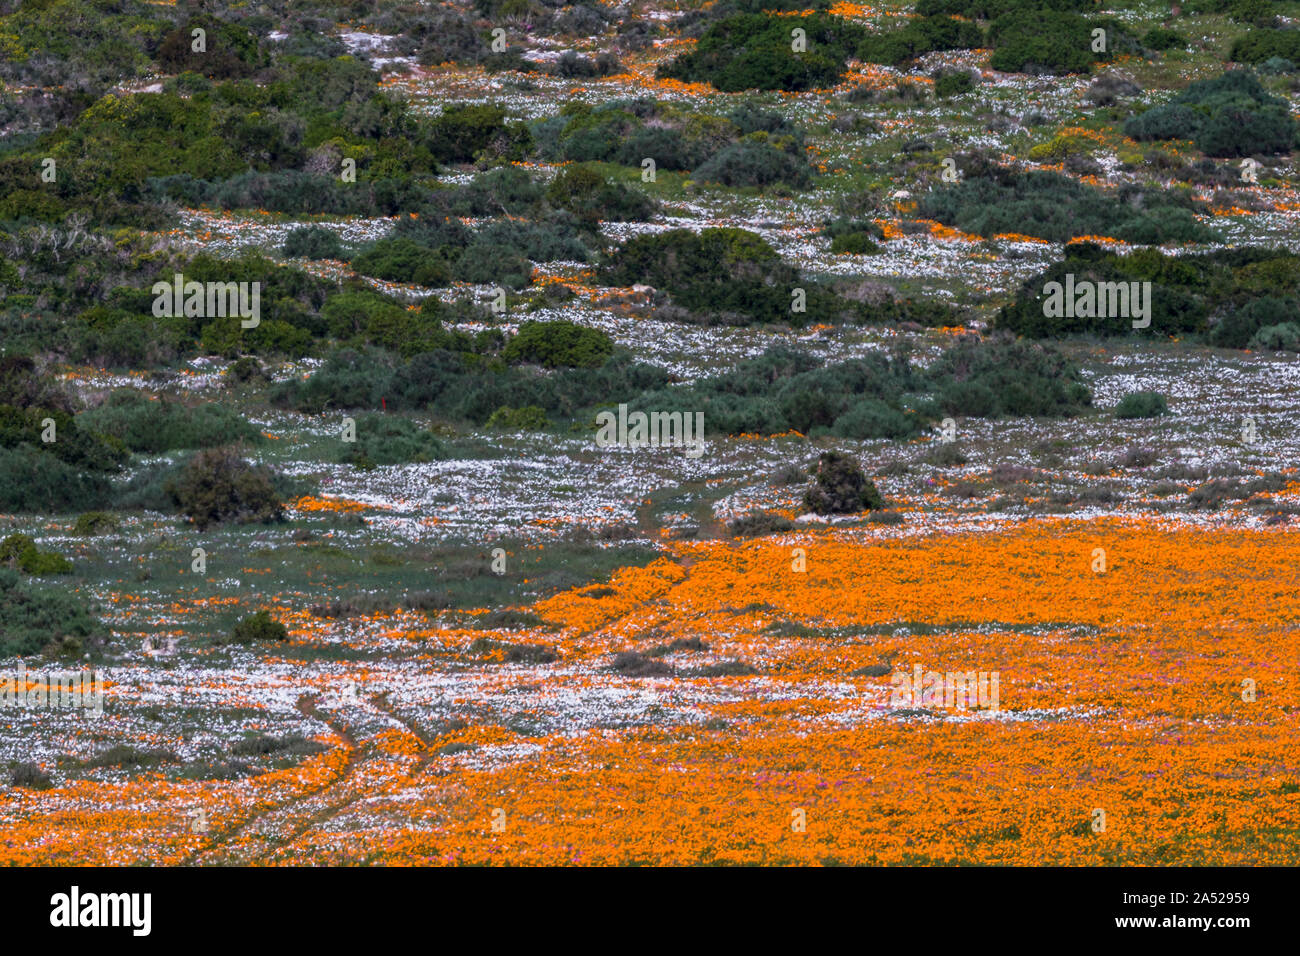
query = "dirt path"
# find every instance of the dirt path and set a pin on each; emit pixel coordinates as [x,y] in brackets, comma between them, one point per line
[226,847]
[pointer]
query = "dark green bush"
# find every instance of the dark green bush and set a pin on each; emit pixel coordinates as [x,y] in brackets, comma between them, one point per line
[1051,206]
[493,263]
[1230,115]
[1006,377]
[592,198]
[559,343]
[401,260]
[31,481]
[312,242]
[530,418]
[460,133]
[841,487]
[94,523]
[1227,296]
[390,440]
[758,523]
[1141,405]
[29,776]
[1158,38]
[1261,44]
[258,628]
[917,37]
[721,276]
[753,52]
[44,621]
[1284,337]
[20,551]
[754,161]
[155,426]
[1047,41]
[218,486]
[952,84]
[1238,326]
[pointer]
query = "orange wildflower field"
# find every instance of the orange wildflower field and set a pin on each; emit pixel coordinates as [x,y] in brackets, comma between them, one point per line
[1122,691]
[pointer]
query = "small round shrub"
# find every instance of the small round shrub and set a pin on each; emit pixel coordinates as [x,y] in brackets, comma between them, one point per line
[529,418]
[952,84]
[258,628]
[841,487]
[1141,405]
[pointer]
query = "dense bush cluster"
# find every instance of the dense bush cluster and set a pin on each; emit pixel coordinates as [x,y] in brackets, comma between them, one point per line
[721,276]
[559,345]
[20,551]
[746,147]
[1230,115]
[1259,45]
[752,51]
[152,426]
[1231,297]
[924,35]
[1051,206]
[879,397]
[460,386]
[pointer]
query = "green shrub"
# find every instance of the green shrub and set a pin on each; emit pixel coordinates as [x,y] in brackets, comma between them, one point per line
[32,481]
[231,49]
[559,343]
[1230,115]
[312,242]
[1049,41]
[20,551]
[1006,377]
[155,426]
[592,198]
[71,443]
[402,260]
[44,621]
[841,487]
[94,523]
[920,36]
[1051,206]
[460,133]
[1158,38]
[217,486]
[1226,295]
[391,440]
[758,523]
[753,52]
[754,161]
[1239,326]
[1141,405]
[1284,337]
[493,263]
[854,244]
[721,276]
[948,84]
[530,418]
[258,628]
[1259,45]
